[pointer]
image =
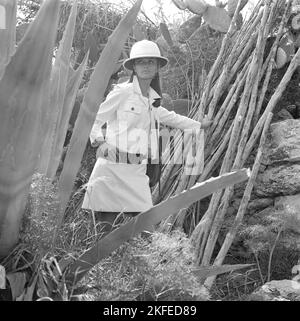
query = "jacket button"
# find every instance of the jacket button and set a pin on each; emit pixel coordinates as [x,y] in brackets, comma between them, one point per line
[132,108]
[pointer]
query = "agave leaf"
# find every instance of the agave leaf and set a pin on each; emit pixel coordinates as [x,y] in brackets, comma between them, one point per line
[29,290]
[17,283]
[74,80]
[90,44]
[207,271]
[49,161]
[217,18]
[138,33]
[91,101]
[7,32]
[147,219]
[166,34]
[22,91]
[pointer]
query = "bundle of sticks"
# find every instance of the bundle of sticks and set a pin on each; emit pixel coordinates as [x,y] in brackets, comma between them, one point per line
[232,96]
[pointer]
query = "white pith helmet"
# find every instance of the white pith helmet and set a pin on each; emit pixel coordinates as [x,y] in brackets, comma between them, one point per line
[144,49]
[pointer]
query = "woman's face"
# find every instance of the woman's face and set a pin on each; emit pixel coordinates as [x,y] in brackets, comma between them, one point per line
[146,68]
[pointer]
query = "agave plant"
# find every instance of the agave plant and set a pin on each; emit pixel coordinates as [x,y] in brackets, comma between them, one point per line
[36,101]
[23,87]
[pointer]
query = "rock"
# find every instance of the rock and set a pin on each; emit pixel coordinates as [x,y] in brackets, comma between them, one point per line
[283,290]
[188,28]
[278,181]
[259,204]
[283,142]
[282,115]
[292,109]
[290,206]
[289,203]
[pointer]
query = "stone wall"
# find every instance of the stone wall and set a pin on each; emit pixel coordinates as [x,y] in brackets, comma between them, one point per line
[276,193]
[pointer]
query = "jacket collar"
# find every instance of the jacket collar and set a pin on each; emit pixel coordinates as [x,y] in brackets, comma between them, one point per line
[136,88]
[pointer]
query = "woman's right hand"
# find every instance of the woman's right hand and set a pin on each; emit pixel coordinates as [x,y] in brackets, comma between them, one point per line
[206,123]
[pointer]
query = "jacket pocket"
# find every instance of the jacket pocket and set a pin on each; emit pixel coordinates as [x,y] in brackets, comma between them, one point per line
[129,113]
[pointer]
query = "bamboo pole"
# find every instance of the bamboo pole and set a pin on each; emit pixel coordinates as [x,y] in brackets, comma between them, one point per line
[216,65]
[244,203]
[236,139]
[269,63]
[272,103]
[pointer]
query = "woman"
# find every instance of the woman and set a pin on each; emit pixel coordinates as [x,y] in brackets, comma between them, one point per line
[118,183]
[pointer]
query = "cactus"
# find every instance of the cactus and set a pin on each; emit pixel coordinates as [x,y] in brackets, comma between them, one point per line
[217,18]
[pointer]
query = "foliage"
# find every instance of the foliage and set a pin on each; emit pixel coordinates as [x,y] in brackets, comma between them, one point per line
[154,268]
[39,220]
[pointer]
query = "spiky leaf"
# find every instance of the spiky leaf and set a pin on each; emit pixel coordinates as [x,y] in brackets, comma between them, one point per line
[58,91]
[17,283]
[147,219]
[138,33]
[166,34]
[23,88]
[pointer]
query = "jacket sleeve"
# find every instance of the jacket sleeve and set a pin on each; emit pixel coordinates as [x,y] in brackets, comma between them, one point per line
[170,118]
[105,113]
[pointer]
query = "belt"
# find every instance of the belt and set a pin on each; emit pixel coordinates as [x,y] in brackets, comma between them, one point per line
[113,153]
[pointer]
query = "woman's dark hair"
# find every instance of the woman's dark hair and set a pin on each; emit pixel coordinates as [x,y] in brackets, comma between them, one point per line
[155,84]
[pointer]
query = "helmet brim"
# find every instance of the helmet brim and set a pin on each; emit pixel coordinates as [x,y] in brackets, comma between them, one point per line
[128,63]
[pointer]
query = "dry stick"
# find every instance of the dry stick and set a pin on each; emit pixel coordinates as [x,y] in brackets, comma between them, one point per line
[209,79]
[253,16]
[225,70]
[233,97]
[186,181]
[270,65]
[170,160]
[208,169]
[235,52]
[261,41]
[177,158]
[207,219]
[204,226]
[238,86]
[252,74]
[228,193]
[244,203]
[272,103]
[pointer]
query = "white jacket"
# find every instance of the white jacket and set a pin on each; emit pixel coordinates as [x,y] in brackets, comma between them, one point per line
[127,113]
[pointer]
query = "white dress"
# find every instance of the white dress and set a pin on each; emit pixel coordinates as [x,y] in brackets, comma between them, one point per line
[121,187]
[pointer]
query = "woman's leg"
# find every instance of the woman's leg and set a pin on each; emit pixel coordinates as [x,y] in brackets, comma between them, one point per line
[106,219]
[109,221]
